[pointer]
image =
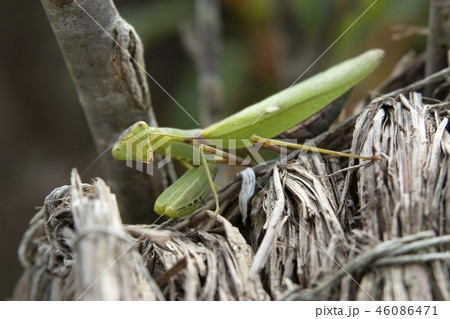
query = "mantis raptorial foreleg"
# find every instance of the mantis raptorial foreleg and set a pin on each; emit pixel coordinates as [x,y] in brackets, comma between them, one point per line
[226,157]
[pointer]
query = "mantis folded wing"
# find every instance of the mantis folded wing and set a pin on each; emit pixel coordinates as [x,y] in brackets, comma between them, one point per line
[268,118]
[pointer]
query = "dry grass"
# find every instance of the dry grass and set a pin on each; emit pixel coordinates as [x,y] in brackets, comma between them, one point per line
[314,232]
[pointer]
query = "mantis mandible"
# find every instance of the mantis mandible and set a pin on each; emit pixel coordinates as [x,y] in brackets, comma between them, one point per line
[257,123]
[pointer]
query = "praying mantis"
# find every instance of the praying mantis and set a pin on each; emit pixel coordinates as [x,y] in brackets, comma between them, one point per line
[256,123]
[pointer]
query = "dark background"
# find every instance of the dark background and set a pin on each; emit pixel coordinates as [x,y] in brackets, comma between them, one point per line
[43,132]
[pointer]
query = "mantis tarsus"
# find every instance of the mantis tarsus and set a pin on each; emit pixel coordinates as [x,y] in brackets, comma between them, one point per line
[268,118]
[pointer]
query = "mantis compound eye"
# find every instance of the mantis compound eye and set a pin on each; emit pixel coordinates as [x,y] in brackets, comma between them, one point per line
[118,152]
[139,127]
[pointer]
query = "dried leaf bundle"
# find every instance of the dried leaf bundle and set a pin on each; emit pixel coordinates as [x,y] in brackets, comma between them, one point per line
[379,231]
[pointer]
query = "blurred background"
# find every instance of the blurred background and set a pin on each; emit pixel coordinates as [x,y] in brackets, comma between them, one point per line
[265,45]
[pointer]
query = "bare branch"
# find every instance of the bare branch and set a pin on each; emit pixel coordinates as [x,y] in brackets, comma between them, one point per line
[105,58]
[438,43]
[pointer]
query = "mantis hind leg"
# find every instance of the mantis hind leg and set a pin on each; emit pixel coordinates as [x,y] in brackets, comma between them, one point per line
[269,142]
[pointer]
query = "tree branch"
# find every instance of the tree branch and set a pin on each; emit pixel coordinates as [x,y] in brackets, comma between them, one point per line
[105,58]
[438,42]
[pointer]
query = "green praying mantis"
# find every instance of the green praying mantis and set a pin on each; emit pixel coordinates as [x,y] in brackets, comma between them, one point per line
[257,123]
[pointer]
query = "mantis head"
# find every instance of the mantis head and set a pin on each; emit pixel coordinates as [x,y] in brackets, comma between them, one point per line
[134,144]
